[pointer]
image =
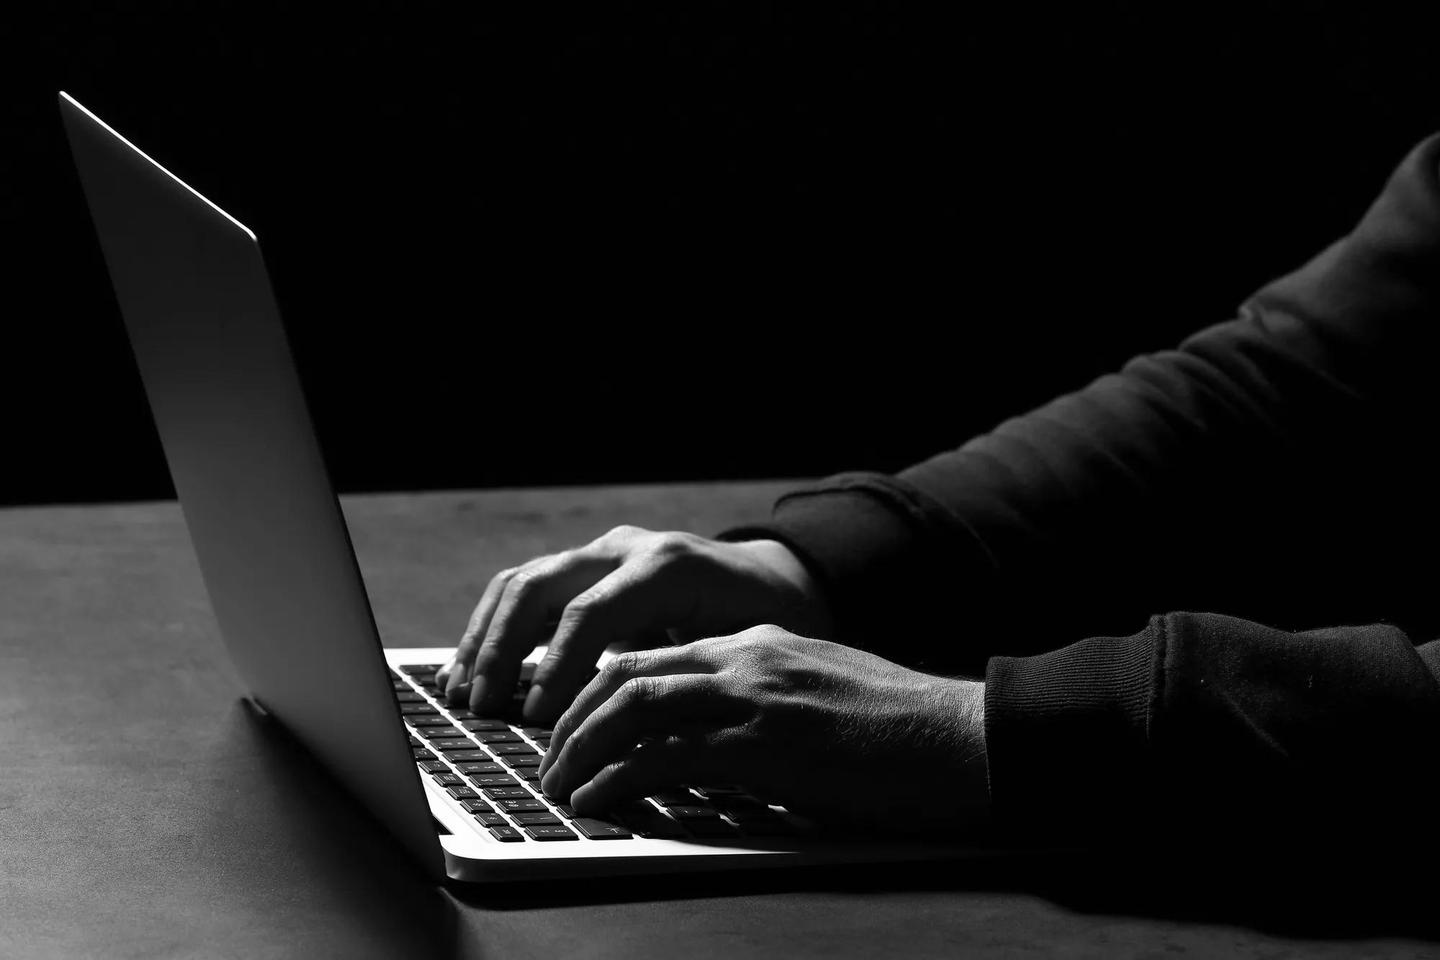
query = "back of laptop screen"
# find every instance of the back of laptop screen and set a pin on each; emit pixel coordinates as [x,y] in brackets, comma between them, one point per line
[267,529]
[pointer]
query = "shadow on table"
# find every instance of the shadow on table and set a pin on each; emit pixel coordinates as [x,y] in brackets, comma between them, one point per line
[388,902]
[1319,898]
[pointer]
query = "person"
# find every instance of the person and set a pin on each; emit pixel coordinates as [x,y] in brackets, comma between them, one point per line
[1275,467]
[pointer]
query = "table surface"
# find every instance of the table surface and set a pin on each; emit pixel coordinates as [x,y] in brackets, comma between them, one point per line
[146,812]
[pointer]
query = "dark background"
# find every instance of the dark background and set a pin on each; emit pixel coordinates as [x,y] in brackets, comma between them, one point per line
[569,243]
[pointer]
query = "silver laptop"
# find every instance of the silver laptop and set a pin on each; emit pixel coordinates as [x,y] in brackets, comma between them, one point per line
[457,790]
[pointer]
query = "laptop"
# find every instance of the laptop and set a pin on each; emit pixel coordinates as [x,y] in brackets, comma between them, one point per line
[458,791]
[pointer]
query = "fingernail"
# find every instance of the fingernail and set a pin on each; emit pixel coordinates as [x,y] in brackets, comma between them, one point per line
[548,786]
[534,700]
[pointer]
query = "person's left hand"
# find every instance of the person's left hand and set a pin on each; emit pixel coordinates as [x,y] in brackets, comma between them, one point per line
[827,731]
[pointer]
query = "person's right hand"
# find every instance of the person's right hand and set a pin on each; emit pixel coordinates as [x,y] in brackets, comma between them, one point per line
[626,586]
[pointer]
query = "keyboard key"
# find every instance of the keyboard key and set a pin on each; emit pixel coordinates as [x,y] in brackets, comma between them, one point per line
[427,721]
[448,779]
[494,780]
[522,760]
[480,767]
[484,724]
[462,793]
[508,791]
[744,811]
[409,696]
[491,819]
[467,756]
[520,805]
[566,811]
[416,742]
[422,754]
[435,766]
[693,812]
[506,833]
[675,798]
[537,819]
[653,825]
[738,803]
[496,736]
[717,791]
[452,743]
[528,774]
[417,709]
[439,733]
[460,713]
[593,829]
[536,732]
[514,750]
[477,806]
[550,833]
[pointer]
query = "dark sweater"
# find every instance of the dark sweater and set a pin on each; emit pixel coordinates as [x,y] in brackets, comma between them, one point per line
[1276,468]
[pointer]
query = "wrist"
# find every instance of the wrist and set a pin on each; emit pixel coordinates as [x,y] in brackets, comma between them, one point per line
[966,761]
[812,610]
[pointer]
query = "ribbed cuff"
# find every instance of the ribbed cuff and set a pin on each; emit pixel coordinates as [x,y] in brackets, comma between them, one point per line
[1067,734]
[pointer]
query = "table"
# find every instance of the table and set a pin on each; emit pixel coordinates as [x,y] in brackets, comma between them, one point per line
[145,810]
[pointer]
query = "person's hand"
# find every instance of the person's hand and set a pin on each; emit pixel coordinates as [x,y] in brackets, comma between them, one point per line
[627,586]
[825,730]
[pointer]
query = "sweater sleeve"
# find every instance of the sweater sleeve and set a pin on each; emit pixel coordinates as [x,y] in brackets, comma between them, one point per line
[1273,466]
[1221,729]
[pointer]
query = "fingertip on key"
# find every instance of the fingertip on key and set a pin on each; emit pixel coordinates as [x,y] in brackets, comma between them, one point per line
[477,694]
[534,704]
[550,785]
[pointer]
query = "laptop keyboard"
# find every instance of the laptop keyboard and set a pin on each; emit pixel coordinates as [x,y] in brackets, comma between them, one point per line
[490,767]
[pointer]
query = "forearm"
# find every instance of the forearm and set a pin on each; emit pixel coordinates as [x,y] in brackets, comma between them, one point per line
[1292,436]
[1205,726]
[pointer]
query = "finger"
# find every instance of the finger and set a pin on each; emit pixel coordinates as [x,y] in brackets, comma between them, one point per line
[642,597]
[642,708]
[648,769]
[667,661]
[531,599]
[454,677]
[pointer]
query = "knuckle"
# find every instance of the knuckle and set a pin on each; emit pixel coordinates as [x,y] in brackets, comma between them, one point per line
[673,547]
[640,691]
[487,655]
[504,576]
[619,666]
[522,581]
[582,607]
[549,566]
[624,532]
[749,644]
[669,543]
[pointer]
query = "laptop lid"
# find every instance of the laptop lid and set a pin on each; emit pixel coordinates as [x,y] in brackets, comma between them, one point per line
[272,543]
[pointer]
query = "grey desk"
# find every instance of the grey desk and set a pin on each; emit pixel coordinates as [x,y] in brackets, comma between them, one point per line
[145,812]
